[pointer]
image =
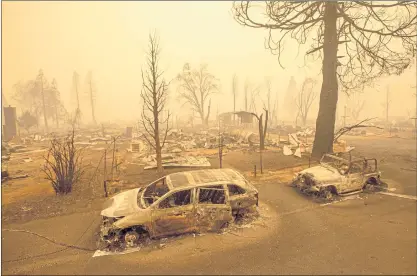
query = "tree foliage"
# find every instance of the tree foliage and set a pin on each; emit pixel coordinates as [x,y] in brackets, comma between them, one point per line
[356,41]
[28,94]
[27,121]
[374,38]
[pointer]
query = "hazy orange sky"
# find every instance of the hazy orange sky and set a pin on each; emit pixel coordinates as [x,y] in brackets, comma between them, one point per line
[110,38]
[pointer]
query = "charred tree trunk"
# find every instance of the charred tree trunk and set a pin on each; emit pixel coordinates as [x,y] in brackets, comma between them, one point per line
[158,149]
[44,106]
[92,102]
[56,115]
[262,129]
[304,119]
[323,140]
[261,133]
[205,119]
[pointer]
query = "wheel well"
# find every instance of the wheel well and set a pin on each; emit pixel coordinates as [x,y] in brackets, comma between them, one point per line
[140,229]
[371,180]
[332,189]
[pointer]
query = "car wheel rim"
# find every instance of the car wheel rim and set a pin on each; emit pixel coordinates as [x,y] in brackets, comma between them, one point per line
[131,239]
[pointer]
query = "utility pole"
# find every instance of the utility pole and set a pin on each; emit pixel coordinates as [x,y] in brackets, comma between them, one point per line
[75,81]
[113,160]
[76,89]
[344,115]
[91,97]
[55,91]
[43,101]
[105,174]
[387,105]
[220,145]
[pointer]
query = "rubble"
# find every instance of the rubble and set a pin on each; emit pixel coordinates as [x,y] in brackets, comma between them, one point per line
[180,161]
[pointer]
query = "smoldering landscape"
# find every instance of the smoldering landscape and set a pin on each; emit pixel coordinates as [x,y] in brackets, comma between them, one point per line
[192,149]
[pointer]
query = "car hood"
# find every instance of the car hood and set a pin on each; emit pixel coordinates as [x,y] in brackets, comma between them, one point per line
[322,174]
[122,204]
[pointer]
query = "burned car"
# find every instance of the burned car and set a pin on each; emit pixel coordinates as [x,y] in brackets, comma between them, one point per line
[337,176]
[184,202]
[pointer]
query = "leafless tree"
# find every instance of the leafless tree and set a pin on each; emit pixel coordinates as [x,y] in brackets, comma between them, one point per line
[290,99]
[154,94]
[305,98]
[254,94]
[363,34]
[54,103]
[27,120]
[63,164]
[196,88]
[276,107]
[267,105]
[39,98]
[356,105]
[245,90]
[234,92]
[41,80]
[91,91]
[76,87]
[263,126]
[346,129]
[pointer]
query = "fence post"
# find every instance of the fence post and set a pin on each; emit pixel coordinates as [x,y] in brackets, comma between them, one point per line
[105,174]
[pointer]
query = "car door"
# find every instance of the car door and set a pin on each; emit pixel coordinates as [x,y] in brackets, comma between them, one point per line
[213,210]
[240,197]
[355,177]
[175,214]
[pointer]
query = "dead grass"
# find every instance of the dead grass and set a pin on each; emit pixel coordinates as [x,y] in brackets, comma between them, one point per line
[21,189]
[284,175]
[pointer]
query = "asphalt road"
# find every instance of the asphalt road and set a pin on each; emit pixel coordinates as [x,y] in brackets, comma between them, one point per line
[397,159]
[372,234]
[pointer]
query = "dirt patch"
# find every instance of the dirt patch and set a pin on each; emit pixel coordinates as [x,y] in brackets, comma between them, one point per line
[33,197]
[271,160]
[284,175]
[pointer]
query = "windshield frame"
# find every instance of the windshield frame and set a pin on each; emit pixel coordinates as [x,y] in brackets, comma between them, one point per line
[333,166]
[142,203]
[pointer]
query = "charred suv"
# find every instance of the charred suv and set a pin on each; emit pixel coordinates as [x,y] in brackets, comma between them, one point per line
[193,201]
[336,175]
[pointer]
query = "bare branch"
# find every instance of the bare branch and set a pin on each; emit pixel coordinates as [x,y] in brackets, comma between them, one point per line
[346,129]
[369,31]
[154,94]
[195,87]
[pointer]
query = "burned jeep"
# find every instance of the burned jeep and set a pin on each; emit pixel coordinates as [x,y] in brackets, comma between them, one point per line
[338,176]
[184,202]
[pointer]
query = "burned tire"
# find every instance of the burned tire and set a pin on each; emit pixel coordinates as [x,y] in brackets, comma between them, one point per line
[102,244]
[373,184]
[131,238]
[327,193]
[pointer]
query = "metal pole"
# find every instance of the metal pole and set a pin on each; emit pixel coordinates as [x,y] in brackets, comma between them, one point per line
[260,156]
[220,146]
[112,161]
[105,174]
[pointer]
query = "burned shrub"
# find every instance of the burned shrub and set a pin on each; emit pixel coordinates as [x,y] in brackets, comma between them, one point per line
[63,164]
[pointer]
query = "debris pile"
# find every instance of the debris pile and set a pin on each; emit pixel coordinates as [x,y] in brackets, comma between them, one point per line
[169,160]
